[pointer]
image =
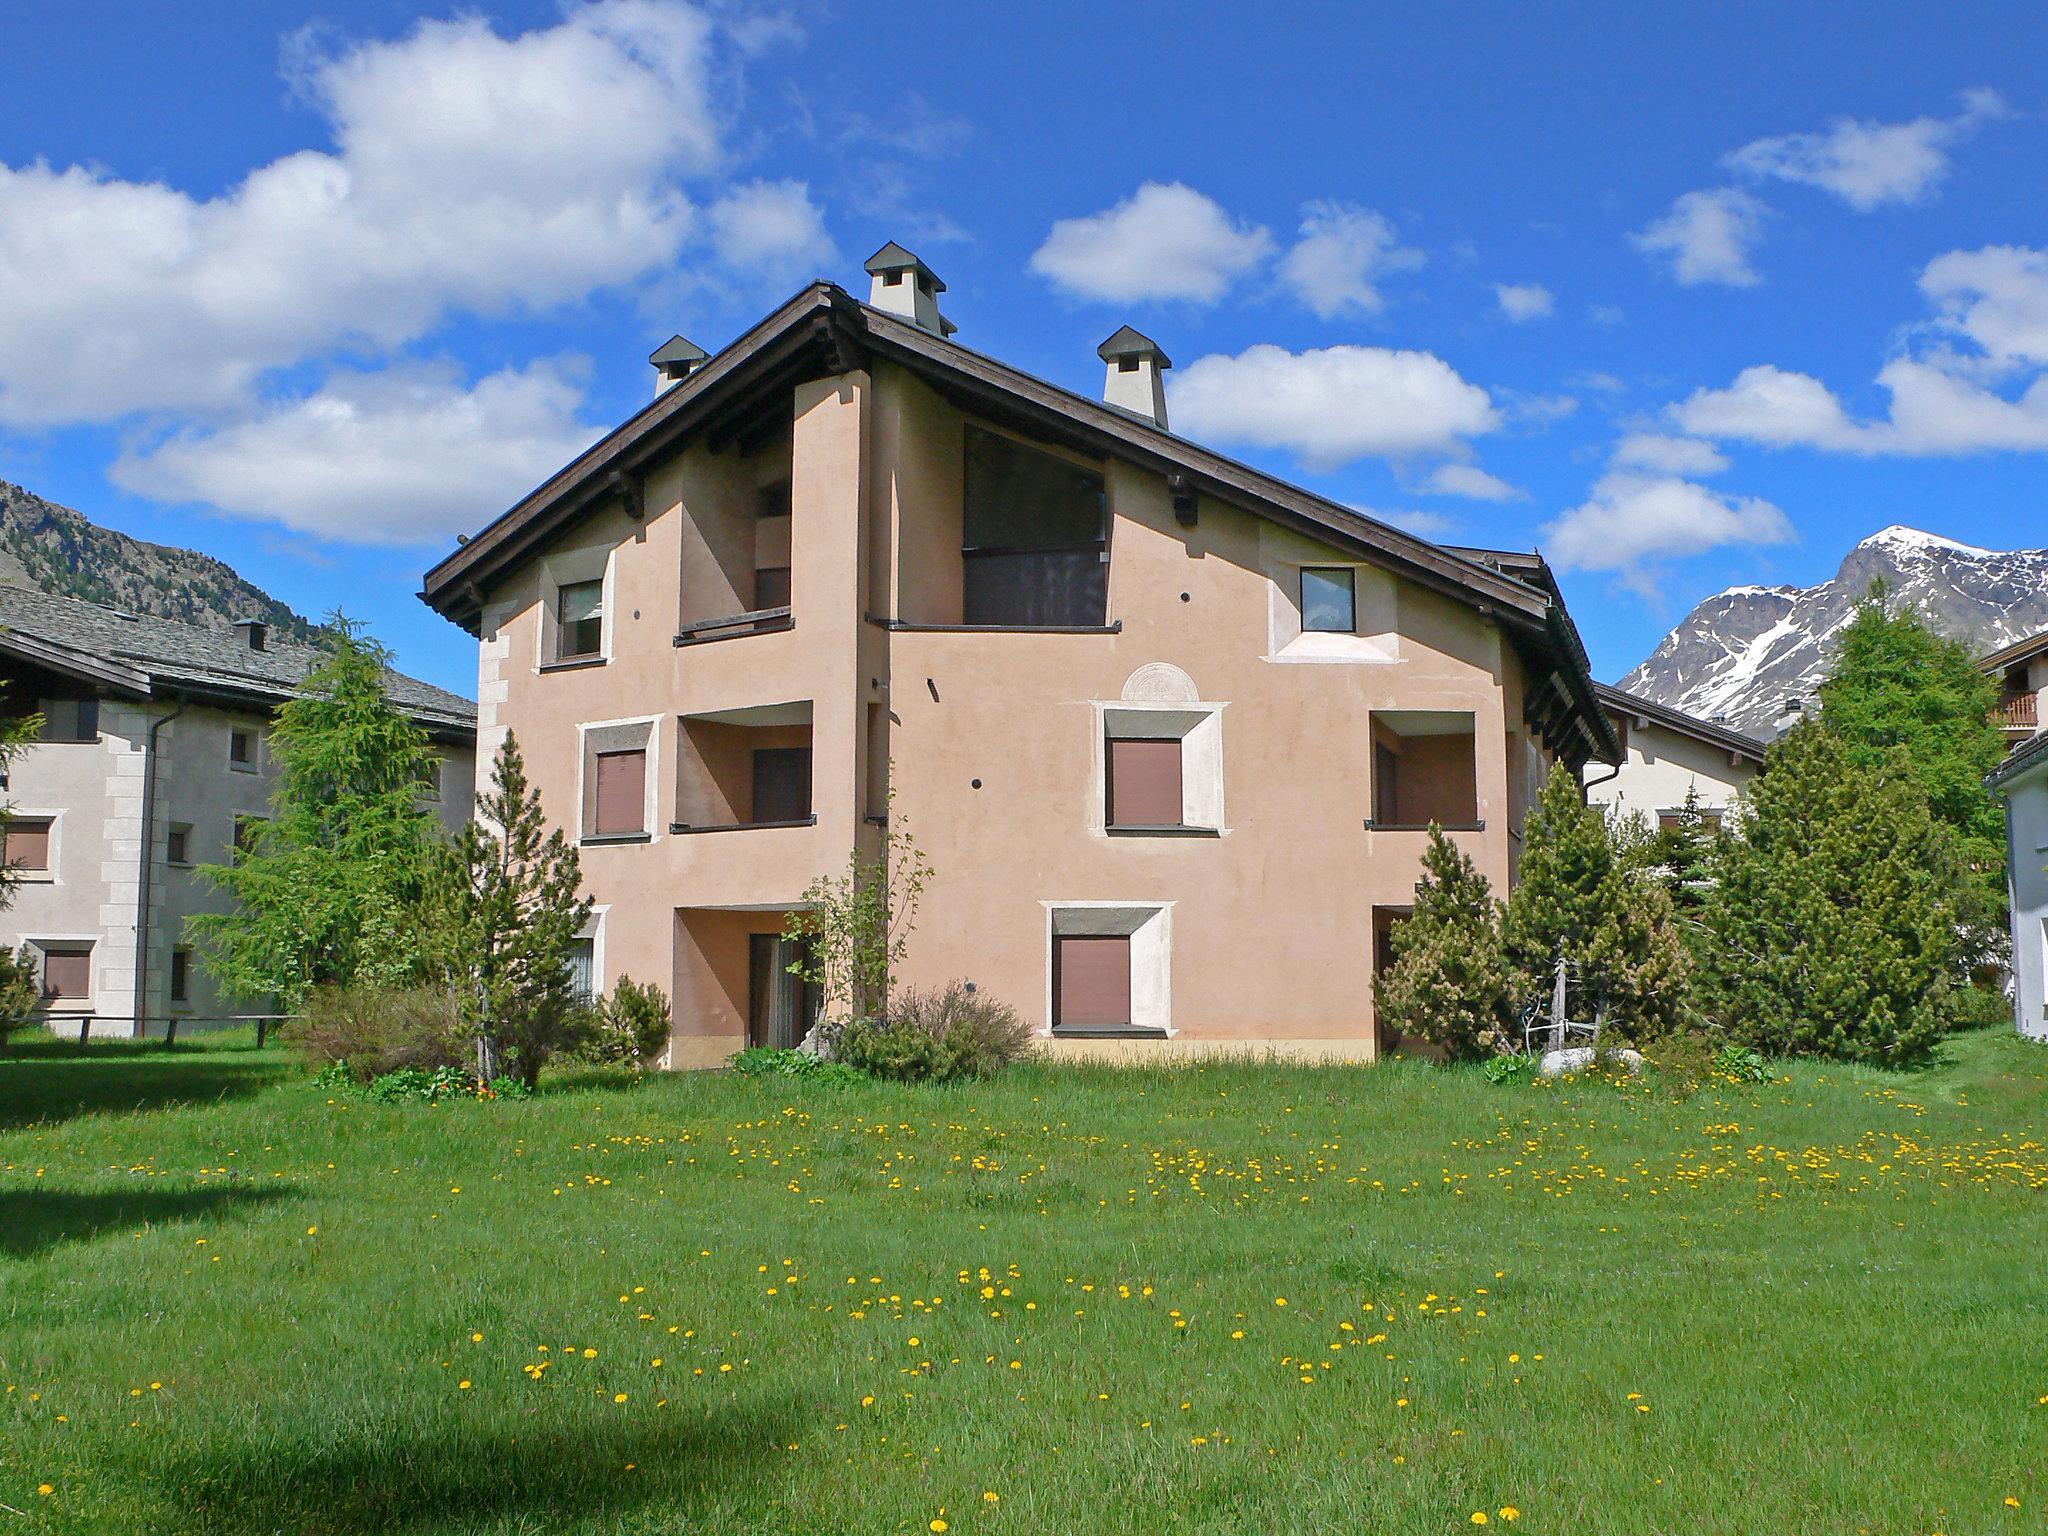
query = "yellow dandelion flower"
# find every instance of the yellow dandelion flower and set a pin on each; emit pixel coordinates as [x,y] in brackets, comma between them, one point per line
[939,1525]
[618,1397]
[476,1338]
[1479,1517]
[990,1497]
[463,1385]
[46,1489]
[1509,1512]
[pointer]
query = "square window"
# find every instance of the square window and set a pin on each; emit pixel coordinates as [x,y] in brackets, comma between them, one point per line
[1328,600]
[1424,769]
[248,829]
[27,843]
[67,973]
[181,975]
[1144,783]
[621,793]
[579,613]
[782,783]
[178,844]
[242,750]
[1091,981]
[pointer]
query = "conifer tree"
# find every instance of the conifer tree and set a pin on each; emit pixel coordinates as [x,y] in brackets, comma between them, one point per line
[1448,984]
[1833,930]
[348,838]
[513,909]
[1680,855]
[1585,897]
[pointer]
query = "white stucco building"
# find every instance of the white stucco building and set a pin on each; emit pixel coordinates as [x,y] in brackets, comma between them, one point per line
[1665,754]
[153,756]
[2022,783]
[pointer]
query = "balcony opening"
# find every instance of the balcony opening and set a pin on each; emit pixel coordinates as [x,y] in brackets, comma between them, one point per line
[737,540]
[1424,769]
[745,768]
[1035,540]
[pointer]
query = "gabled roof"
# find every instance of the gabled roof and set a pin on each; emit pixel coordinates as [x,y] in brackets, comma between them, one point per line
[893,258]
[1131,342]
[1735,743]
[2025,649]
[2022,763]
[139,656]
[823,331]
[677,349]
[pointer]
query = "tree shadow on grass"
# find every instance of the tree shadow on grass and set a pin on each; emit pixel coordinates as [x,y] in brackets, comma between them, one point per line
[44,1089]
[391,1477]
[39,1218]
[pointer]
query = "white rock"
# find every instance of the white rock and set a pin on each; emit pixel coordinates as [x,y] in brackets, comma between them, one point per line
[1578,1058]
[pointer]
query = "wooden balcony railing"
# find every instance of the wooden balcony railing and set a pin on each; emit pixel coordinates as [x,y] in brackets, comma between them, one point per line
[2022,711]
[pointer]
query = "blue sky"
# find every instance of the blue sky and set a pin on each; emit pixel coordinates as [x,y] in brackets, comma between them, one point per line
[1686,297]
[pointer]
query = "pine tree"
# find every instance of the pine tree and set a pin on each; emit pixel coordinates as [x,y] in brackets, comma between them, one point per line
[1896,684]
[348,837]
[1833,930]
[512,912]
[1680,855]
[1583,896]
[1448,984]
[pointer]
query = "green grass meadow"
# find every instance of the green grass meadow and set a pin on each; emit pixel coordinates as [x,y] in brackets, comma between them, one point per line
[1238,1297]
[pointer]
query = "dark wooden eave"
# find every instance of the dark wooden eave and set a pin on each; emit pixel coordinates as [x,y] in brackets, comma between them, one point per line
[1650,712]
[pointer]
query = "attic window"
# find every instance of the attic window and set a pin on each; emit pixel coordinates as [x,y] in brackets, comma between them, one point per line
[1127,364]
[892,279]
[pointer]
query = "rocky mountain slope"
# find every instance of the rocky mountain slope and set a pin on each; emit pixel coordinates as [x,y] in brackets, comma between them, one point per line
[1742,653]
[54,549]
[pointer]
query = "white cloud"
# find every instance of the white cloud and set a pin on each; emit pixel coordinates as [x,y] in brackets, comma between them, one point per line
[1998,297]
[772,230]
[1471,482]
[1335,266]
[1671,455]
[1524,301]
[1767,404]
[1708,236]
[1428,525]
[1165,241]
[408,455]
[1868,165]
[469,171]
[1332,405]
[1632,523]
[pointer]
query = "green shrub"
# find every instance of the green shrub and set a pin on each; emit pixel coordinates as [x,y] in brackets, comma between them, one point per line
[409,1083]
[776,1061]
[373,1031]
[1448,984]
[1740,1064]
[631,1027]
[900,1051]
[1509,1068]
[937,1036]
[20,997]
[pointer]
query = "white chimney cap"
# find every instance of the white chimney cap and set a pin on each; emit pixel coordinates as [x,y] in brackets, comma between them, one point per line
[1135,382]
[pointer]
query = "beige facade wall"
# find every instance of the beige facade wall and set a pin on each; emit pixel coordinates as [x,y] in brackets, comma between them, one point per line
[93,891]
[1659,766]
[992,741]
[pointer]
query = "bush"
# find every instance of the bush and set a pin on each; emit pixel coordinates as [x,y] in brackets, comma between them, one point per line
[631,1027]
[371,1031]
[937,1035]
[1740,1064]
[1509,1069]
[775,1061]
[414,1085]
[20,997]
[1448,984]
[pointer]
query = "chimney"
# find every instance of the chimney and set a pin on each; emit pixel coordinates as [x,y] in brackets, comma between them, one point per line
[255,632]
[905,286]
[1793,712]
[674,361]
[1135,381]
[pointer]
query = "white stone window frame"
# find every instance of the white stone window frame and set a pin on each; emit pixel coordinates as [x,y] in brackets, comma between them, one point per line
[594,931]
[94,946]
[1197,726]
[566,568]
[1149,926]
[639,733]
[47,875]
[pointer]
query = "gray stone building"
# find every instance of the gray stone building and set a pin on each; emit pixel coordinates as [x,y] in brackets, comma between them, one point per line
[154,756]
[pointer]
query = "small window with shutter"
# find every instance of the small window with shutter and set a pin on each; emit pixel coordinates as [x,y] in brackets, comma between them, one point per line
[1144,783]
[242,750]
[579,615]
[67,973]
[1092,981]
[27,843]
[621,793]
[178,844]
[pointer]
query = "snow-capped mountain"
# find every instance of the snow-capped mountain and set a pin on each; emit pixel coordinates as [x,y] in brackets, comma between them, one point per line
[1741,654]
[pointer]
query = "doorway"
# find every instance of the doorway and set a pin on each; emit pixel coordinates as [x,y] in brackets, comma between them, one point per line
[781,1007]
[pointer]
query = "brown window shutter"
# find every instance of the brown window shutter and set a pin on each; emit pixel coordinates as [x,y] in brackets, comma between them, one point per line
[621,792]
[1093,981]
[1144,783]
[28,845]
[67,974]
[782,784]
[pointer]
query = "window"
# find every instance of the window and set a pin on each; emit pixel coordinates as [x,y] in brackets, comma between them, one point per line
[181,975]
[1424,769]
[178,844]
[242,750]
[27,843]
[583,970]
[782,783]
[621,793]
[1092,981]
[781,1006]
[1328,599]
[67,973]
[70,720]
[772,524]
[430,778]
[1035,532]
[1671,821]
[247,831]
[1144,783]
[579,615]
